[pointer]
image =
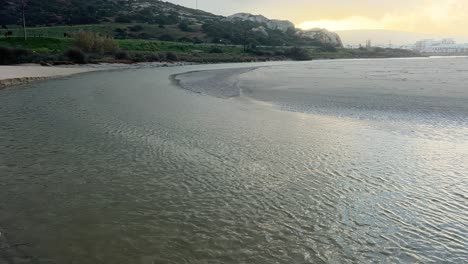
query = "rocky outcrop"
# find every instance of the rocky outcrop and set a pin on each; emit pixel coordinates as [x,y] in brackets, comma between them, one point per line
[249,17]
[322,35]
[282,25]
[319,34]
[260,30]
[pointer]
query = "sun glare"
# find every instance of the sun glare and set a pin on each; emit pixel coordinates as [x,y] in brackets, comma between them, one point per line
[344,24]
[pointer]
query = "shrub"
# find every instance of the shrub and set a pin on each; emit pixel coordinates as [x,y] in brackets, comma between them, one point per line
[146,56]
[122,55]
[13,56]
[328,48]
[171,56]
[161,56]
[85,40]
[76,56]
[196,40]
[144,36]
[185,27]
[6,56]
[216,50]
[135,28]
[166,37]
[155,57]
[123,19]
[184,39]
[255,51]
[297,53]
[120,33]
[279,53]
[93,42]
[107,45]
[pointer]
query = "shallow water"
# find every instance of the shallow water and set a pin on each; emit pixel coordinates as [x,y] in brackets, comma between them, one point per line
[311,164]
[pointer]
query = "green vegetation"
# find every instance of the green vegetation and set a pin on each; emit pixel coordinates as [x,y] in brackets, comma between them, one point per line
[93,42]
[116,30]
[241,33]
[97,48]
[171,56]
[79,12]
[37,44]
[76,56]
[298,54]
[12,55]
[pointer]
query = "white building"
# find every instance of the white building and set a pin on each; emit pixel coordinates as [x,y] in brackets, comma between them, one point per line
[444,46]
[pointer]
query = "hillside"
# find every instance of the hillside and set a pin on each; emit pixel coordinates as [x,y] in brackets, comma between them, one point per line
[156,20]
[77,12]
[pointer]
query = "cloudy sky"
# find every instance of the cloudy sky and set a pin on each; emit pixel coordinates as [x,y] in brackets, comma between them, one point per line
[424,16]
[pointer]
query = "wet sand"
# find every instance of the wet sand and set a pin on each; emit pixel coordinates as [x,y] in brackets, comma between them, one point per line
[14,75]
[21,74]
[220,83]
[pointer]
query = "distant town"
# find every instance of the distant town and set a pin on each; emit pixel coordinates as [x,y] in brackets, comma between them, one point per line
[426,46]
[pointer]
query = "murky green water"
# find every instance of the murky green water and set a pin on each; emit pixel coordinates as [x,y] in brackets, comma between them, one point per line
[125,167]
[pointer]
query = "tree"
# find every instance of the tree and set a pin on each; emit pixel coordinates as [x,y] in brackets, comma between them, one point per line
[123,19]
[185,27]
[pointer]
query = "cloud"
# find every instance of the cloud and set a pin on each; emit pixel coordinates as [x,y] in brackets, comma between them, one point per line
[432,16]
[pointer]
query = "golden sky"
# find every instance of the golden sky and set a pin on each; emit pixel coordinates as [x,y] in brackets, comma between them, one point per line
[424,16]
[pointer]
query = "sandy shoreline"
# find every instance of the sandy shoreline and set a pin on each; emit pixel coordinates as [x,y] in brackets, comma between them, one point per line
[21,74]
[14,75]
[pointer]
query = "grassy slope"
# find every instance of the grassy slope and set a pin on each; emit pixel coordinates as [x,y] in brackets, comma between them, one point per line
[138,45]
[150,30]
[52,49]
[38,44]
